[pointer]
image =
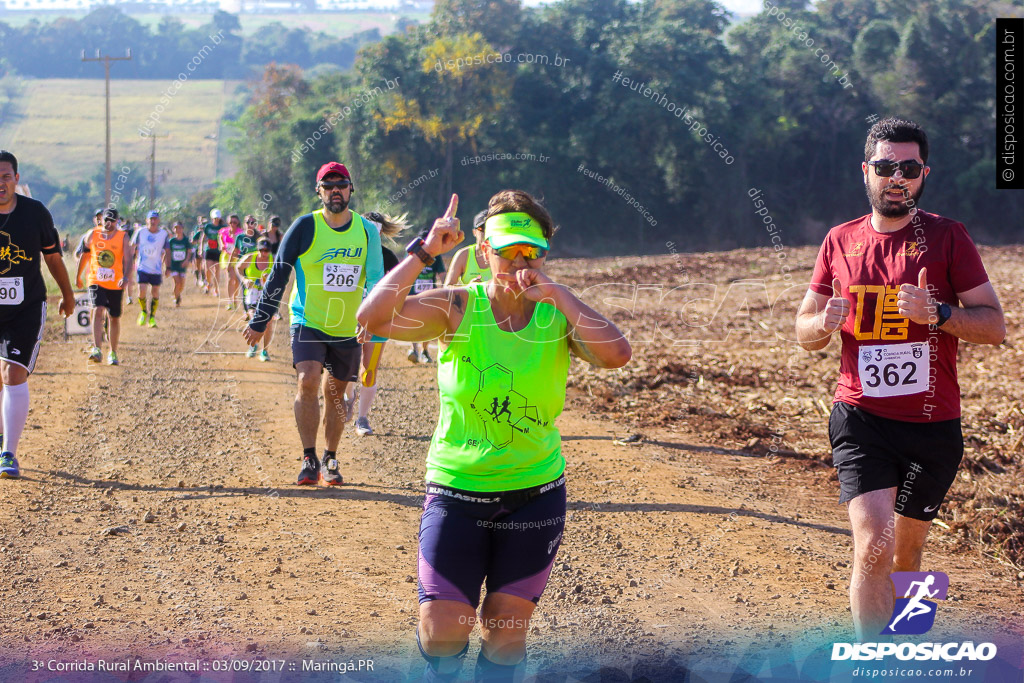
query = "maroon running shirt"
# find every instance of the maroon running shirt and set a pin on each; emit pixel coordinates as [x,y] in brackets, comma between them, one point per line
[891,366]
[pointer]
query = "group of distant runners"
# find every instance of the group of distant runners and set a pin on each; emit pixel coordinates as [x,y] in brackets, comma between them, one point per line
[900,285]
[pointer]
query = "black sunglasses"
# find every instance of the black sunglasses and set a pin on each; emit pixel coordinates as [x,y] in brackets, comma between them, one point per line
[335,184]
[885,168]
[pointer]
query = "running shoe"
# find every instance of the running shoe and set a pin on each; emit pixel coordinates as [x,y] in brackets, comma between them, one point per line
[177,302]
[142,319]
[330,473]
[413,356]
[425,357]
[9,466]
[310,471]
[96,355]
[230,307]
[112,359]
[251,353]
[363,427]
[152,321]
[264,356]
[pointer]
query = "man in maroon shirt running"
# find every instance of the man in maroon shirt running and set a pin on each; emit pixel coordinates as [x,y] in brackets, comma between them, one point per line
[902,286]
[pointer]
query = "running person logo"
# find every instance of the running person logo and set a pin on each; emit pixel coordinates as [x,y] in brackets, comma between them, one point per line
[914,613]
[503,410]
[10,253]
[910,249]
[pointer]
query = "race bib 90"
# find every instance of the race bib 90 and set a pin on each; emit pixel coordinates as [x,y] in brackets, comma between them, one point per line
[12,291]
[341,277]
[893,369]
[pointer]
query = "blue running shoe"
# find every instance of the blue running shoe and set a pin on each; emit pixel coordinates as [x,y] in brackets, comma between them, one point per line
[9,466]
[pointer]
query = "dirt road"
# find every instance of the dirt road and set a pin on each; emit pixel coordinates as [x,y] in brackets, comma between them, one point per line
[157,518]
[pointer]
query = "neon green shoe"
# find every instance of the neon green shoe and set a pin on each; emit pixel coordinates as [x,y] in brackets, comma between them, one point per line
[152,321]
[142,319]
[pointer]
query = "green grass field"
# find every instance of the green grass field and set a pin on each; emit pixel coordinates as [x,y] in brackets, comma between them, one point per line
[58,124]
[335,23]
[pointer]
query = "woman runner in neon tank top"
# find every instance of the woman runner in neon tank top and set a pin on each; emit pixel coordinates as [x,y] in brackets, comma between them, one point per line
[495,504]
[253,269]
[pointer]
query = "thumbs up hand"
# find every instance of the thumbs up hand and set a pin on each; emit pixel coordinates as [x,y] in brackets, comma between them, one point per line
[916,303]
[837,310]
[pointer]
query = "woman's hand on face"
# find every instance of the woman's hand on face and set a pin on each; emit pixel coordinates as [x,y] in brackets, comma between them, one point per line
[445,233]
[531,283]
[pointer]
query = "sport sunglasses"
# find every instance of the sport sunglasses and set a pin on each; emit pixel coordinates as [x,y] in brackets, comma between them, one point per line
[530,252]
[336,184]
[885,168]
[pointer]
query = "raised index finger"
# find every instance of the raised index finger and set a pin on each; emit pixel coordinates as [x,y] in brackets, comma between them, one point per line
[453,207]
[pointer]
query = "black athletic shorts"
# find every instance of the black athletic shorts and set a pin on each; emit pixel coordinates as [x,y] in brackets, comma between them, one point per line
[109,299]
[20,336]
[918,459]
[340,355]
[155,279]
[212,255]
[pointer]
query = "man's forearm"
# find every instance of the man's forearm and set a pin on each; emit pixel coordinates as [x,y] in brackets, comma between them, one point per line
[978,324]
[810,334]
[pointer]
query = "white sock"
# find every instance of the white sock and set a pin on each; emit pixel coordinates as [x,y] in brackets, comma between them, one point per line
[366,395]
[15,413]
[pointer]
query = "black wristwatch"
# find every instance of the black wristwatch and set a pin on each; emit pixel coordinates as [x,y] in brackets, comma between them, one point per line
[944,314]
[415,248]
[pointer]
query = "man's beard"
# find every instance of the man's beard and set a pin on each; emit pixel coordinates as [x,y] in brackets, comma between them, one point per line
[888,208]
[335,205]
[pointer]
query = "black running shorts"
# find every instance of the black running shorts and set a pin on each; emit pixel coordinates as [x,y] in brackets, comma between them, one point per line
[918,459]
[20,336]
[109,299]
[340,355]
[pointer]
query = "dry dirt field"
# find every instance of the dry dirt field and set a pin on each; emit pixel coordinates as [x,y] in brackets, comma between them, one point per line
[157,518]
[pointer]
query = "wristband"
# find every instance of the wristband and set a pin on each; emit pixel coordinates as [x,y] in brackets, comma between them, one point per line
[415,248]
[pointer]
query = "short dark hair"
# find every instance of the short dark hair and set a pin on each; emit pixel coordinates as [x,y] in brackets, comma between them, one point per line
[895,129]
[9,158]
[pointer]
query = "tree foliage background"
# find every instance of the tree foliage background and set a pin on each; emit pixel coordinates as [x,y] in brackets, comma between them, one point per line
[416,108]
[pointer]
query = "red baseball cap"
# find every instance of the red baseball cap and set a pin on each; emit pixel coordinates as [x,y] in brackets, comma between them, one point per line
[332,167]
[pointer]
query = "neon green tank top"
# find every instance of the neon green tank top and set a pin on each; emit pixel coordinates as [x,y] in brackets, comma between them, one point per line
[254,273]
[329,278]
[473,270]
[500,394]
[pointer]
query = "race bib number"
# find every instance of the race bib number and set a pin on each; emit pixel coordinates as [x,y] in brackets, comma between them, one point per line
[893,369]
[12,291]
[422,286]
[252,296]
[178,255]
[104,274]
[341,277]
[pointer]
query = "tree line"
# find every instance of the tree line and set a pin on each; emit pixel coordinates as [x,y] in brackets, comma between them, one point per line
[667,101]
[53,49]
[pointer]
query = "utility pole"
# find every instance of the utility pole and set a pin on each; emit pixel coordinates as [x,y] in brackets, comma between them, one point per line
[107,59]
[152,166]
